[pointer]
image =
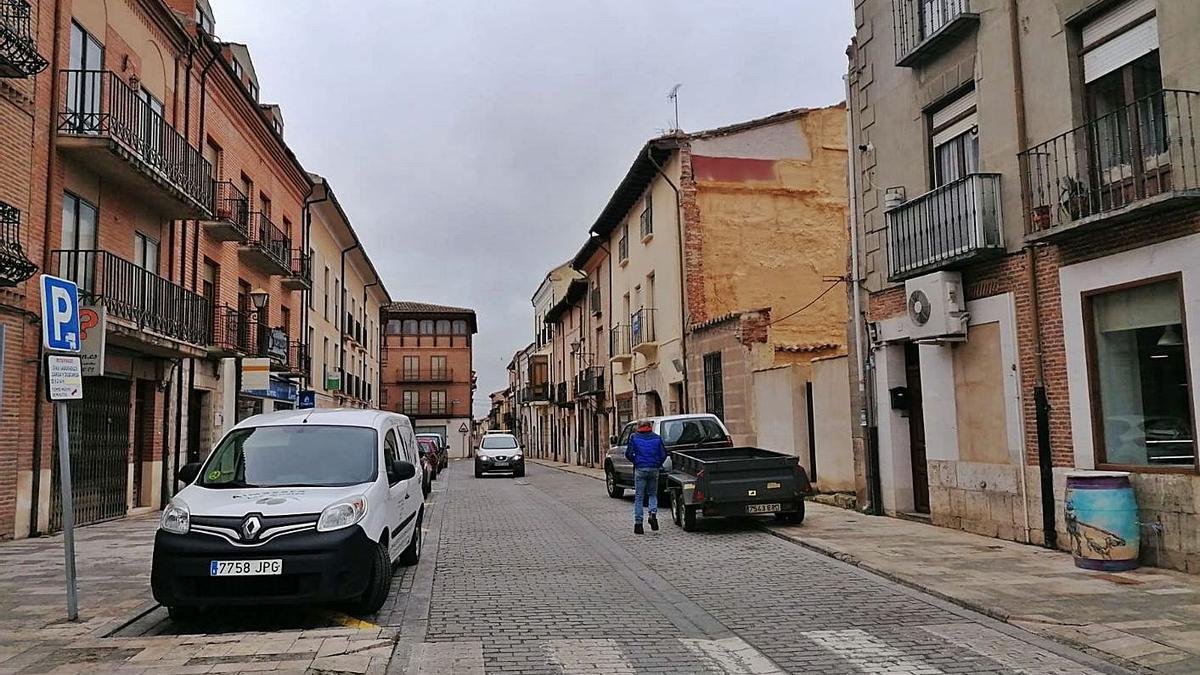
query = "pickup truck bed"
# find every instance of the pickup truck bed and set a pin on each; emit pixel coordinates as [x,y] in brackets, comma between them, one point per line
[736,481]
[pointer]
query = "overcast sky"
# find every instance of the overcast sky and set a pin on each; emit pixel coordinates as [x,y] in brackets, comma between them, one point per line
[473,142]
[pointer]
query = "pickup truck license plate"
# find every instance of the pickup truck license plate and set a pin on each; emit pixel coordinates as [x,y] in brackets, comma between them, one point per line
[764,508]
[245,568]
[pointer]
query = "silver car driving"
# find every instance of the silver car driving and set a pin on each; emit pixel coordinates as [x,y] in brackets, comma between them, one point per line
[499,453]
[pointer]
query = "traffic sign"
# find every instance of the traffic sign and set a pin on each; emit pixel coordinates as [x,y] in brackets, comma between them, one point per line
[306,399]
[462,428]
[64,378]
[60,314]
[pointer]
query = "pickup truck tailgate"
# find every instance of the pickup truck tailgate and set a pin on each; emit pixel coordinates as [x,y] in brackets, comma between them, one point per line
[743,474]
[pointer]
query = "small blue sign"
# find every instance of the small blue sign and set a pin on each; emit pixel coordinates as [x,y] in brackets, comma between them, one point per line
[280,390]
[306,399]
[60,315]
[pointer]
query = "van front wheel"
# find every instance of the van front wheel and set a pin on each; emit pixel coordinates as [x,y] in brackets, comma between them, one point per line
[379,584]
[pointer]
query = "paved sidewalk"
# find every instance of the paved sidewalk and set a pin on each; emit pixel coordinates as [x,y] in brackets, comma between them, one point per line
[113,562]
[1149,617]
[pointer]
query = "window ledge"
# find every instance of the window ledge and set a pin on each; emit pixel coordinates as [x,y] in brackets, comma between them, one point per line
[1142,468]
[623,262]
[646,239]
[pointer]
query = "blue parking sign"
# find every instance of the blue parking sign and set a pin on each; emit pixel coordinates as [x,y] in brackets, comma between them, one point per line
[60,314]
[306,399]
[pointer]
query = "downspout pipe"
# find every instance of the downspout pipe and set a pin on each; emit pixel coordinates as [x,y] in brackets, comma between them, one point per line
[683,323]
[1041,401]
[374,384]
[866,409]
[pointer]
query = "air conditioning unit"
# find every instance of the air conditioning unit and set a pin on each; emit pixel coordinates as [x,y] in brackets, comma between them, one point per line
[937,309]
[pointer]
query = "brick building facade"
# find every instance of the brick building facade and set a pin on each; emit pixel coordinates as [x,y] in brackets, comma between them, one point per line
[140,162]
[427,369]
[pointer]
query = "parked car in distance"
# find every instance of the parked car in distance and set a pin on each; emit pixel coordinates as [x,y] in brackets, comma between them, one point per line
[499,453]
[294,507]
[443,449]
[736,481]
[679,432]
[430,454]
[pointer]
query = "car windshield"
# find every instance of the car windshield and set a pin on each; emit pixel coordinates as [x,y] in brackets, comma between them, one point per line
[499,443]
[426,445]
[691,431]
[293,456]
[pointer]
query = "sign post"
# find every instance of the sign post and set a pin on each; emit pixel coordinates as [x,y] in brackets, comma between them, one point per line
[64,382]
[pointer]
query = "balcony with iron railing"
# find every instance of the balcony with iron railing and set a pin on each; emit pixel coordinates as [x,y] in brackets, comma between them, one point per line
[945,227]
[234,332]
[429,409]
[268,248]
[926,28]
[299,275]
[19,56]
[590,381]
[619,348]
[642,335]
[106,125]
[15,266]
[537,393]
[419,375]
[160,317]
[561,395]
[230,219]
[1137,160]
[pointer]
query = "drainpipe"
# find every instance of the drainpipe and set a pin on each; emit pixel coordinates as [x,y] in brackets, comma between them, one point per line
[866,413]
[51,171]
[682,278]
[1041,403]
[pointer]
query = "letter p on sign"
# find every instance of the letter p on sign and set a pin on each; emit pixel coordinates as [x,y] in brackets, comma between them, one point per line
[60,314]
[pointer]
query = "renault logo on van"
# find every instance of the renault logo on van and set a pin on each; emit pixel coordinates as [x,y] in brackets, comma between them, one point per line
[251,527]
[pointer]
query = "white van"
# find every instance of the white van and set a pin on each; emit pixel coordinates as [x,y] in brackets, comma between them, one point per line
[301,506]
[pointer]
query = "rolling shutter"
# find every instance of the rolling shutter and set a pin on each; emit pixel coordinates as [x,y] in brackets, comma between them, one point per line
[1117,37]
[944,125]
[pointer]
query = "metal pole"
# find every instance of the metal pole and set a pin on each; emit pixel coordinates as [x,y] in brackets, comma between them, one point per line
[68,509]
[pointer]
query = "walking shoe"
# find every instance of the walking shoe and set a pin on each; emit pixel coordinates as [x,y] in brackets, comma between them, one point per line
[653,520]
[638,529]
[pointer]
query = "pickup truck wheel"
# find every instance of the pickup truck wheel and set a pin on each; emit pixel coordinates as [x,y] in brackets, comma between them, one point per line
[610,483]
[793,518]
[689,518]
[379,583]
[677,508]
[182,614]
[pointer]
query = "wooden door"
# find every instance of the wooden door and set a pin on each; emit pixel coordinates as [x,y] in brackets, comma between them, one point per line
[916,429]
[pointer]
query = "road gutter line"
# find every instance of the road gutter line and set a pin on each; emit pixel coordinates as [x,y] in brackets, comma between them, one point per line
[414,623]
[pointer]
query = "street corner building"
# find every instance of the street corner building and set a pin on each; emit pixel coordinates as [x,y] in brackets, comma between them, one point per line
[711,281]
[427,369]
[160,183]
[1024,197]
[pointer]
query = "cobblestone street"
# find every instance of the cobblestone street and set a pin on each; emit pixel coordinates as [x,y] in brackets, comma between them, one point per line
[535,575]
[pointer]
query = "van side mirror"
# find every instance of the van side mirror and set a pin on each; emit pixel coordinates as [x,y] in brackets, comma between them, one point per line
[401,470]
[612,440]
[188,472]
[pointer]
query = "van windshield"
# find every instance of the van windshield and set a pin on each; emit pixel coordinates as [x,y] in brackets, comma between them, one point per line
[293,456]
[692,431]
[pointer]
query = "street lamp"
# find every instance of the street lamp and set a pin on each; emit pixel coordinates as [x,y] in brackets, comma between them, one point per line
[259,298]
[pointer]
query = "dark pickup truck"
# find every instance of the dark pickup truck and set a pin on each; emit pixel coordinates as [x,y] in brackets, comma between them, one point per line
[736,481]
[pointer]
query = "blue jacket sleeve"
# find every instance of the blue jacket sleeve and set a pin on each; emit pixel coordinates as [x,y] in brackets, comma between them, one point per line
[662,452]
[629,451]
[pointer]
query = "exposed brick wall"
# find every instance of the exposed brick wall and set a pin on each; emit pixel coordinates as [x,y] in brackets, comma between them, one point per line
[693,240]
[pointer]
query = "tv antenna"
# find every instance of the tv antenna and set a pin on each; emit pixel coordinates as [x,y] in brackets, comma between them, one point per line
[674,96]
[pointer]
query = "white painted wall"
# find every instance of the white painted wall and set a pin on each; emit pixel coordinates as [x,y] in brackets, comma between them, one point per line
[1175,256]
[832,420]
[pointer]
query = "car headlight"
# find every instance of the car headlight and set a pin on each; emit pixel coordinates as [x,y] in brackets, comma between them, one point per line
[176,518]
[342,514]
[518,457]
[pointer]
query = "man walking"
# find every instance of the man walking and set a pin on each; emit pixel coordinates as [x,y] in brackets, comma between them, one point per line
[647,452]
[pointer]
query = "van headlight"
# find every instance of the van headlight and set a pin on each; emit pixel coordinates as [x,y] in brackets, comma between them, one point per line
[176,518]
[342,514]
